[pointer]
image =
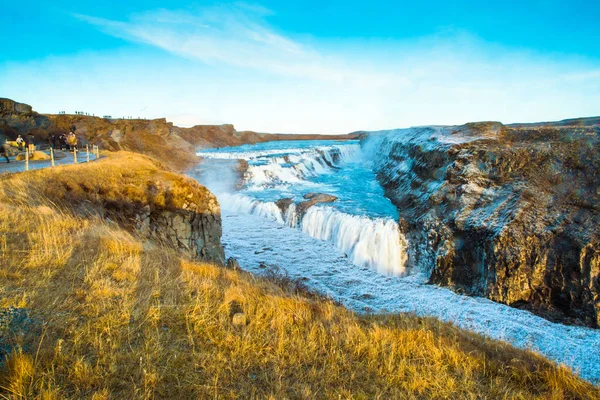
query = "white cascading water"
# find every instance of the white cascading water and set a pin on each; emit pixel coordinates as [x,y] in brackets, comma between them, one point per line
[291,216]
[374,243]
[295,168]
[370,242]
[247,205]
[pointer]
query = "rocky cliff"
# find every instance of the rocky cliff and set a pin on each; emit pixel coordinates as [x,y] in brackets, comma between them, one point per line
[511,213]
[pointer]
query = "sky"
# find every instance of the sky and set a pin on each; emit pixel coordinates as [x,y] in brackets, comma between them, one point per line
[305,67]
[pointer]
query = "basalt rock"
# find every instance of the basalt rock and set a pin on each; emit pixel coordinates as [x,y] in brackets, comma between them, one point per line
[284,204]
[233,264]
[511,213]
[312,199]
[198,235]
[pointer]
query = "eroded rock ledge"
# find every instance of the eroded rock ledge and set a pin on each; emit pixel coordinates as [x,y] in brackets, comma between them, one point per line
[509,213]
[311,199]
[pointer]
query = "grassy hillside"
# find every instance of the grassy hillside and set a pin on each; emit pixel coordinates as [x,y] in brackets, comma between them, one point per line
[89,309]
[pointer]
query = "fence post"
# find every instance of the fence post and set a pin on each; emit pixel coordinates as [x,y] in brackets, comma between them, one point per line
[75,155]
[52,156]
[26,159]
[87,152]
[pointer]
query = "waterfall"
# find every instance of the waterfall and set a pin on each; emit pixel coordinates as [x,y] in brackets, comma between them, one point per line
[269,168]
[375,243]
[247,205]
[291,216]
[298,166]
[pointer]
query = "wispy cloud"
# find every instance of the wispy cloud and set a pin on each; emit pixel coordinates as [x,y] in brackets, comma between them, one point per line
[239,36]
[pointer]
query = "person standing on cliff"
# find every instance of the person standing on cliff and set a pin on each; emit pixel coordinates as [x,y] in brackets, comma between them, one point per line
[26,143]
[31,139]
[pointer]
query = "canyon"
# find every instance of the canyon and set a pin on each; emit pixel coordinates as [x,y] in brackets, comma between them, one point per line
[374,220]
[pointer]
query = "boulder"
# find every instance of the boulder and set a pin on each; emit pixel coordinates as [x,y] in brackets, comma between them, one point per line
[284,204]
[312,199]
[239,319]
[233,264]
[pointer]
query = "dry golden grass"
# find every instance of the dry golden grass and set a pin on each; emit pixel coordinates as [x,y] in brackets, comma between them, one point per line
[120,182]
[116,316]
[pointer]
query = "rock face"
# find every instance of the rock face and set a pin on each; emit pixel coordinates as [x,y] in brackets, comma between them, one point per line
[312,199]
[301,207]
[197,234]
[284,204]
[509,213]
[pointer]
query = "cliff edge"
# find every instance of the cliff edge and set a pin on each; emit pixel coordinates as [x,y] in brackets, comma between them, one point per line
[133,190]
[506,212]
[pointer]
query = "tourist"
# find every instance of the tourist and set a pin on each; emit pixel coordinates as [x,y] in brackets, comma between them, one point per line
[52,140]
[72,141]
[63,141]
[20,142]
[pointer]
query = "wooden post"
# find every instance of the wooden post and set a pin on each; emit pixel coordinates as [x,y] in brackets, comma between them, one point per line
[75,155]
[26,159]
[87,152]
[97,152]
[52,156]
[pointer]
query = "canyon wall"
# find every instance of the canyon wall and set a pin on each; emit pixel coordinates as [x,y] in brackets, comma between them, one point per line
[511,213]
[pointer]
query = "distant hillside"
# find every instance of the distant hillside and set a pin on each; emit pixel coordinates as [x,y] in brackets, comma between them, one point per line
[161,139]
[589,121]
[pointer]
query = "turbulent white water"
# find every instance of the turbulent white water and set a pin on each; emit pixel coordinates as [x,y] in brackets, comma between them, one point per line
[297,167]
[245,204]
[369,239]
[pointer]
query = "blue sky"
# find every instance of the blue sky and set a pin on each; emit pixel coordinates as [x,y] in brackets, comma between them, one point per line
[311,66]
